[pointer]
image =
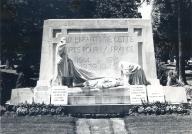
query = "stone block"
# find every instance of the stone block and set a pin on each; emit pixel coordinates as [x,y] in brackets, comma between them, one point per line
[81,100]
[42,95]
[120,91]
[90,100]
[175,95]
[21,95]
[113,100]
[155,93]
[59,95]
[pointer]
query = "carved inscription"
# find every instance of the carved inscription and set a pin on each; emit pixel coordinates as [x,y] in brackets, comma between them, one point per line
[101,52]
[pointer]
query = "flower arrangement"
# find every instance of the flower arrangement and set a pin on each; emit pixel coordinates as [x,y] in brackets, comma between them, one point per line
[36,109]
[156,108]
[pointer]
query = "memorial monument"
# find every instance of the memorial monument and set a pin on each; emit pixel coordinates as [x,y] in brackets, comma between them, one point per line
[91,61]
[87,49]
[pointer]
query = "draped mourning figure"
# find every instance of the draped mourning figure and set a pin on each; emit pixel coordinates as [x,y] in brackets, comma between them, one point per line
[66,72]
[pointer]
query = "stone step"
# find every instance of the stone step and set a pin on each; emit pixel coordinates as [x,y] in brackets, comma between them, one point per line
[98,99]
[82,127]
[101,126]
[121,91]
[118,126]
[98,109]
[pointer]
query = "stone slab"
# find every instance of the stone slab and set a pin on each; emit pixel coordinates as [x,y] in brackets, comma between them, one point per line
[92,126]
[82,127]
[138,94]
[175,95]
[118,126]
[155,93]
[81,100]
[120,91]
[97,126]
[115,95]
[42,95]
[98,108]
[91,100]
[59,95]
[113,100]
[21,95]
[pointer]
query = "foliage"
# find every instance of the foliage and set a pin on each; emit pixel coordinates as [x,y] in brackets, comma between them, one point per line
[165,15]
[172,30]
[117,9]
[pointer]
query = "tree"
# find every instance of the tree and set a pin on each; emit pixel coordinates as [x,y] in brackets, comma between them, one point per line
[172,28]
[117,9]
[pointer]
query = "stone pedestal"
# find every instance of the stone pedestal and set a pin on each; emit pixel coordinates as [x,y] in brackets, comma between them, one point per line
[22,95]
[112,96]
[116,95]
[155,93]
[175,95]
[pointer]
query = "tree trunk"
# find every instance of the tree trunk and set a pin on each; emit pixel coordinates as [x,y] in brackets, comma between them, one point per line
[181,62]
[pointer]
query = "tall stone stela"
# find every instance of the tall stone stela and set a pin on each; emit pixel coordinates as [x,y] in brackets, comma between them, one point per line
[98,45]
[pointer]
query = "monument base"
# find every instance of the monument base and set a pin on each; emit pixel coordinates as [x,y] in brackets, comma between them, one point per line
[81,96]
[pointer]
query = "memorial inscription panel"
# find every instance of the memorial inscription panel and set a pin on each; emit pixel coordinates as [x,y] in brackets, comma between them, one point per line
[138,94]
[59,95]
[155,93]
[101,52]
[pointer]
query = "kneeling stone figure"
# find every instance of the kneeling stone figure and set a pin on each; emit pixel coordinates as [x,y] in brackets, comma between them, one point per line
[133,74]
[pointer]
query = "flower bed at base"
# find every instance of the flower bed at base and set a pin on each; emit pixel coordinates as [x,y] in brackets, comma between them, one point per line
[156,108]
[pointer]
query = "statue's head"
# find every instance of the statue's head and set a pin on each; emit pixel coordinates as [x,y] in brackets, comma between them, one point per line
[172,74]
[127,68]
[63,40]
[62,47]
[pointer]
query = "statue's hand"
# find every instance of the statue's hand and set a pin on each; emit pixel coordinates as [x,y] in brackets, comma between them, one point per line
[54,81]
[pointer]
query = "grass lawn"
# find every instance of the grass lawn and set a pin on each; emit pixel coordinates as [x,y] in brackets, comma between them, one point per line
[164,124]
[37,125]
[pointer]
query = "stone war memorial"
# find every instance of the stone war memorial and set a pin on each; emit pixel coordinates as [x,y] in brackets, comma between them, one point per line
[95,62]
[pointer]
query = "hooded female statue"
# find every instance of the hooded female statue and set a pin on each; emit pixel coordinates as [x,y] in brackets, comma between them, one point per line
[66,72]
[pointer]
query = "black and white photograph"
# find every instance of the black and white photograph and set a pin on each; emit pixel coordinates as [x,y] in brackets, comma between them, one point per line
[96,66]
